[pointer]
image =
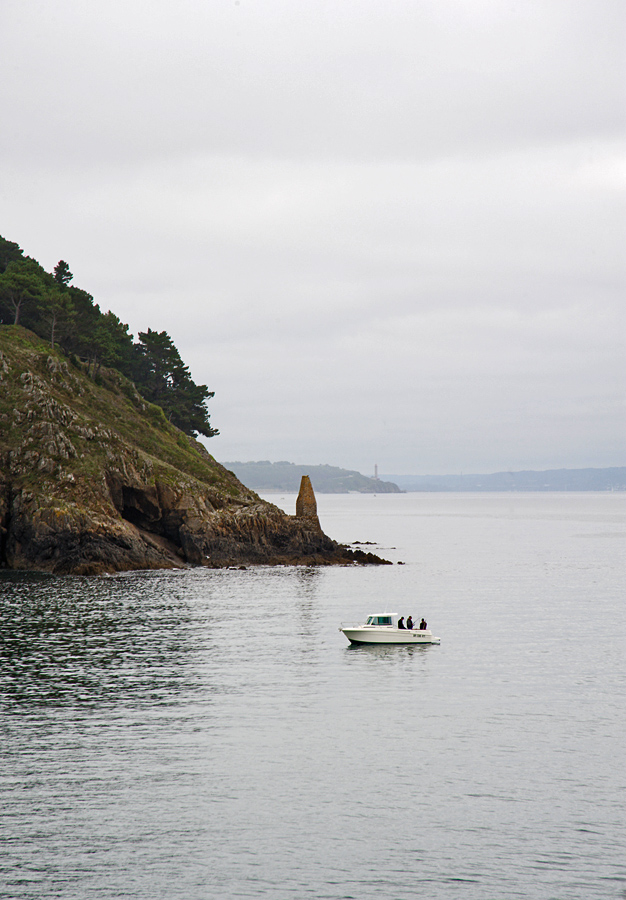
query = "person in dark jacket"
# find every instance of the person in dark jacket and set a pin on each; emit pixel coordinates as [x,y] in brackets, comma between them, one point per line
[401,622]
[409,623]
[423,625]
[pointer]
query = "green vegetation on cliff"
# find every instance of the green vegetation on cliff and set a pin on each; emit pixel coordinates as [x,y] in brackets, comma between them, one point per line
[95,479]
[67,318]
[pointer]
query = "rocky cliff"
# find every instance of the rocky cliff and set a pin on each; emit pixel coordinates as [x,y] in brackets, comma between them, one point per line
[93,479]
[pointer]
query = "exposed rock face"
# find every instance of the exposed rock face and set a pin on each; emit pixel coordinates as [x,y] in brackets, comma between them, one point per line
[93,479]
[306,504]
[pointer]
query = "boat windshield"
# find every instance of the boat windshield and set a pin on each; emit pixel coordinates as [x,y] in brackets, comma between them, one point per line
[379,620]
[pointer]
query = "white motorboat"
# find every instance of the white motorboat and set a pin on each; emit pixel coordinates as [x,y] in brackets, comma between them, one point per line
[383,629]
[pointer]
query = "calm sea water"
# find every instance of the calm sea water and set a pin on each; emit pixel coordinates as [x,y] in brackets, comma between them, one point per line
[210,734]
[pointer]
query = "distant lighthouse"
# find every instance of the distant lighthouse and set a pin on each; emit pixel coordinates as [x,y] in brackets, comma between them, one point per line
[375,471]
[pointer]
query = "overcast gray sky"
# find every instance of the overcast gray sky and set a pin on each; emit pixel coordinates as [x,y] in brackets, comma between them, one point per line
[382,232]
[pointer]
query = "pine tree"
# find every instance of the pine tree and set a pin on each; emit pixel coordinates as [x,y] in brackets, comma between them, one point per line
[62,274]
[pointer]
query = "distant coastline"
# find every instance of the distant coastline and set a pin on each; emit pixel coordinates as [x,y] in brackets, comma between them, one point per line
[283,476]
[608,479]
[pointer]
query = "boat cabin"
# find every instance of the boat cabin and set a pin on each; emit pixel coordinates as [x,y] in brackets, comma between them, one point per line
[390,619]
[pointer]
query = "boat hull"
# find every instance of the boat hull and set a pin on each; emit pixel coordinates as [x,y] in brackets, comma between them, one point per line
[385,635]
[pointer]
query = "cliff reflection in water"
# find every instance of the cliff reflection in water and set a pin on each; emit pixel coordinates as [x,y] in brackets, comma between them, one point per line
[66,641]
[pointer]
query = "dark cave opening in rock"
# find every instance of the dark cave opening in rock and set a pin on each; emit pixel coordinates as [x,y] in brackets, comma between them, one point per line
[141,509]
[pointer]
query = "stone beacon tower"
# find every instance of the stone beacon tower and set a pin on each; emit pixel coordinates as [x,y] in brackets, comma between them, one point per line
[306,505]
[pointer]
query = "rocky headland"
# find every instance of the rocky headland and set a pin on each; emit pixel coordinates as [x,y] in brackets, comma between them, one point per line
[94,479]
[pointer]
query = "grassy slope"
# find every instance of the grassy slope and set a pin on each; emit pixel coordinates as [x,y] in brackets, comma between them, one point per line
[111,409]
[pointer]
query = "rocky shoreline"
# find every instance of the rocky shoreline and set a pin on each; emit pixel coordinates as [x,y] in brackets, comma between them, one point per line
[93,480]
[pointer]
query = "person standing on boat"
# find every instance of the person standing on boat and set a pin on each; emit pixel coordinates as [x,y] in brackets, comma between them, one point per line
[423,624]
[409,623]
[401,622]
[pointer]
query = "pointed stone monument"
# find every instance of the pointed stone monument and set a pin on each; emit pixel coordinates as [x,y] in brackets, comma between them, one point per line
[306,504]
